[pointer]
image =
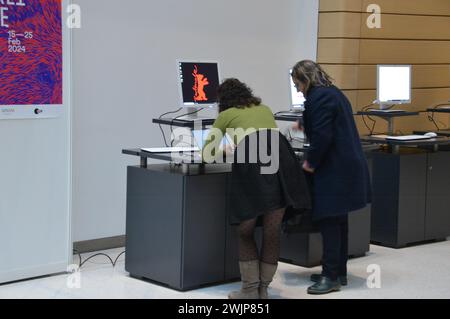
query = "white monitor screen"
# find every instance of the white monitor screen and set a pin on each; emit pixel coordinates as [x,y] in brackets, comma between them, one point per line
[199,82]
[394,84]
[297,98]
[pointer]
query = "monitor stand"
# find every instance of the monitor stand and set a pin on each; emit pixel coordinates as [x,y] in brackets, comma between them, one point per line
[387,108]
[194,116]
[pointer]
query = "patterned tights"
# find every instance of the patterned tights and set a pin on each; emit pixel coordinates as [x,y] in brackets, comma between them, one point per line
[270,250]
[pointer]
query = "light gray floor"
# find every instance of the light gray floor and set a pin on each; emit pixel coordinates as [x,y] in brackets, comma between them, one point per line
[416,272]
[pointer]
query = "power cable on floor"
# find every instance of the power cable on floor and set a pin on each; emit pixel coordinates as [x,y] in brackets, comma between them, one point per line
[113,263]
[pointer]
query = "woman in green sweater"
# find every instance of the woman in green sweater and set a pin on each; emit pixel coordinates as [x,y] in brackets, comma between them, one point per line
[256,198]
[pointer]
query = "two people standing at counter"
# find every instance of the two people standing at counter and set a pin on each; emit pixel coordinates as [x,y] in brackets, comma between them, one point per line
[337,167]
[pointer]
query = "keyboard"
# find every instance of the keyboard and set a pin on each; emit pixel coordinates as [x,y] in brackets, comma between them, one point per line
[298,114]
[386,111]
[408,137]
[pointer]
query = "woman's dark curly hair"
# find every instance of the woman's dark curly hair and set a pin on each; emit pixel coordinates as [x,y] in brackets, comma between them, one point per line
[234,93]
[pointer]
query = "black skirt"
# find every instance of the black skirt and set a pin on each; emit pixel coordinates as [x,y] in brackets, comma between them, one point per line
[254,194]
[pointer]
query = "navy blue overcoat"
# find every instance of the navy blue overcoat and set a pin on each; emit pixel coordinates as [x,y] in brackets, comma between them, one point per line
[341,181]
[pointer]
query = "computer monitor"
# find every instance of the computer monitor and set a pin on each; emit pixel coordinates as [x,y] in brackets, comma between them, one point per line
[198,83]
[297,98]
[394,85]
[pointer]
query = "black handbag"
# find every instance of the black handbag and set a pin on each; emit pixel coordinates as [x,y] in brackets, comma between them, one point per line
[300,223]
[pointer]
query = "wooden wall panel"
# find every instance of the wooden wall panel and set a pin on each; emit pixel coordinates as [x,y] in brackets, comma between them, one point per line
[339,51]
[353,25]
[421,98]
[340,5]
[340,25]
[421,122]
[406,27]
[404,125]
[423,76]
[411,7]
[346,76]
[352,96]
[404,52]
[364,77]
[355,51]
[413,32]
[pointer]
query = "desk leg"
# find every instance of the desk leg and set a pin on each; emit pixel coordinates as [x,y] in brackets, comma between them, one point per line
[144,162]
[435,148]
[395,149]
[390,126]
[193,169]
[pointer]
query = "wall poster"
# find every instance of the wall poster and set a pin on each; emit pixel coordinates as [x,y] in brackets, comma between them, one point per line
[31,58]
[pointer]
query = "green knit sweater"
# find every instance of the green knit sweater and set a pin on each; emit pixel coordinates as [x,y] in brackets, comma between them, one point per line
[244,120]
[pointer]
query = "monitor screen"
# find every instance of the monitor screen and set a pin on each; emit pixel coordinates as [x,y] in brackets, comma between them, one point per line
[297,98]
[394,84]
[199,82]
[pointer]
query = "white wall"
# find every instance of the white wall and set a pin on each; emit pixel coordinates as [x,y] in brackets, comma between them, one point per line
[35,192]
[125,75]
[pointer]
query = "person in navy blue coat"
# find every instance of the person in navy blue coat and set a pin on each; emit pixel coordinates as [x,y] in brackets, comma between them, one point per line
[337,167]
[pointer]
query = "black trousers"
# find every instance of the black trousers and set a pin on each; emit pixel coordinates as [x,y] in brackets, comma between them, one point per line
[334,232]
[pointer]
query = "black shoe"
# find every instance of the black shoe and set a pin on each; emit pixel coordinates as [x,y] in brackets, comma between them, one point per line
[324,286]
[317,277]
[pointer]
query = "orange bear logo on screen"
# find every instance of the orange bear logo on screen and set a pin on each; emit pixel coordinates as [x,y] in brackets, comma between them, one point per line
[199,87]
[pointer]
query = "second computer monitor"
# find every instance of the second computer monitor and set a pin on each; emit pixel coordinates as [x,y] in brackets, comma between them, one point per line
[199,82]
[297,98]
[394,84]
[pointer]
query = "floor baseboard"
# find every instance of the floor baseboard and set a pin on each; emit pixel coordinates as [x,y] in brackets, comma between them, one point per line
[88,246]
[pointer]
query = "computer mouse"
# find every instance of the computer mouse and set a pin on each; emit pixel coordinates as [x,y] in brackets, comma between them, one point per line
[431,134]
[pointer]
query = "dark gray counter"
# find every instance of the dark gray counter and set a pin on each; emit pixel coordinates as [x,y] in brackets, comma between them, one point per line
[176,226]
[178,234]
[411,197]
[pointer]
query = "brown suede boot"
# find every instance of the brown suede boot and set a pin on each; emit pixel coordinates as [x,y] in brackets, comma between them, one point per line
[266,273]
[250,281]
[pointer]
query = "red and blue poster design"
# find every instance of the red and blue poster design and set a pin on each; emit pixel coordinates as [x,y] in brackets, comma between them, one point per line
[31,60]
